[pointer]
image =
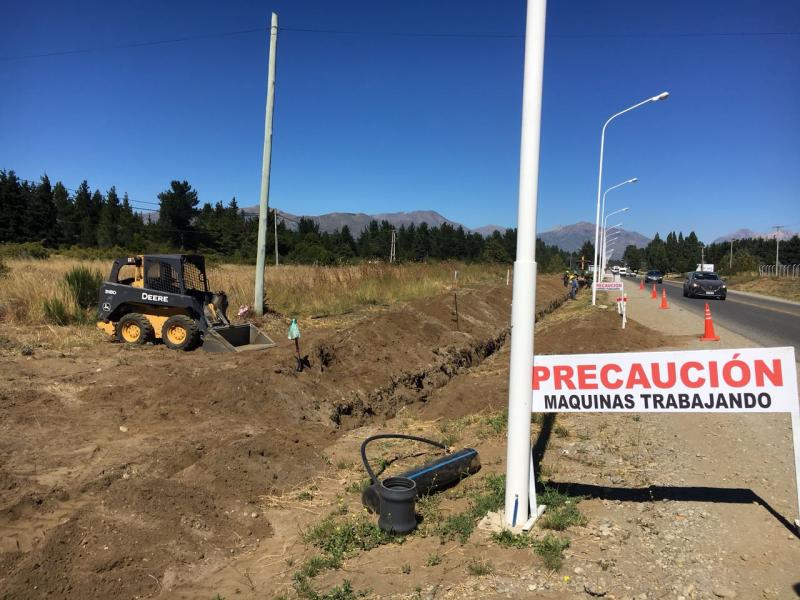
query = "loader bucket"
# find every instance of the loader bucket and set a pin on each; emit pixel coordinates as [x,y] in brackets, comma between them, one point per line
[235,338]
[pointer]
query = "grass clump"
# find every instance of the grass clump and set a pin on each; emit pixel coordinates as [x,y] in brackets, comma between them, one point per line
[83,284]
[498,421]
[561,431]
[4,268]
[551,549]
[433,560]
[489,497]
[511,540]
[56,311]
[562,510]
[338,538]
[479,567]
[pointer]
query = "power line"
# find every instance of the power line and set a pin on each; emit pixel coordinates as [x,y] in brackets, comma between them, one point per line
[190,38]
[389,33]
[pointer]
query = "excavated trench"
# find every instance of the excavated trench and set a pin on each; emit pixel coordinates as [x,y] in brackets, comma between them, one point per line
[409,387]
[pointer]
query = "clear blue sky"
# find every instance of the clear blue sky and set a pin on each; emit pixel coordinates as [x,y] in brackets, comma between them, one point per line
[378,123]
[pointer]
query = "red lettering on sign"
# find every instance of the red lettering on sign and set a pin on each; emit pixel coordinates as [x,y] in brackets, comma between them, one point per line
[775,375]
[607,383]
[685,378]
[586,377]
[563,375]
[540,374]
[637,376]
[663,383]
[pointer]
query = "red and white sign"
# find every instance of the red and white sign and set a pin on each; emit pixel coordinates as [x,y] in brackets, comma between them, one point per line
[608,286]
[748,380]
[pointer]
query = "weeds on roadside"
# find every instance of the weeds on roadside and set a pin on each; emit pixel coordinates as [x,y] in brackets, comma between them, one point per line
[338,538]
[512,540]
[562,510]
[356,487]
[433,560]
[561,431]
[490,498]
[479,567]
[551,549]
[498,421]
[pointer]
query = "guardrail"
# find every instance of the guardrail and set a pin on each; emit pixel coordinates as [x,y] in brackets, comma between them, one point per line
[789,271]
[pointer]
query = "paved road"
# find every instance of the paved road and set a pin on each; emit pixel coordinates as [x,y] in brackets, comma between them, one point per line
[768,322]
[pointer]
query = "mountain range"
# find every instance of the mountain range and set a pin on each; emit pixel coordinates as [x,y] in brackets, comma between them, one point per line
[567,237]
[740,234]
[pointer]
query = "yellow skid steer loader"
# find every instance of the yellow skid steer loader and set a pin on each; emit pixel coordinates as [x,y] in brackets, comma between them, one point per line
[166,297]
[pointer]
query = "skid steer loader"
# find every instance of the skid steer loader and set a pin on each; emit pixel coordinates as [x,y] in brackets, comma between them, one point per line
[166,297]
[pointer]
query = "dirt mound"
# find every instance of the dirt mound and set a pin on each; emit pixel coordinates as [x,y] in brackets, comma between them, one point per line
[127,470]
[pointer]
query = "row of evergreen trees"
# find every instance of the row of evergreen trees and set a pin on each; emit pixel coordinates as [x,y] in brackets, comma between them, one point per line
[47,213]
[679,254]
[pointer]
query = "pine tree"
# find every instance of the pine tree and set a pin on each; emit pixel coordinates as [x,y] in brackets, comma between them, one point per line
[176,212]
[66,226]
[108,226]
[40,214]
[12,208]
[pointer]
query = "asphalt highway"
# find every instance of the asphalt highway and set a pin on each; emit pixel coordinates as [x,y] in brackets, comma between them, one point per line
[765,321]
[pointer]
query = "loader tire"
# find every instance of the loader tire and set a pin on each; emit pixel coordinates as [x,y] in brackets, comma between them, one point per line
[180,333]
[134,328]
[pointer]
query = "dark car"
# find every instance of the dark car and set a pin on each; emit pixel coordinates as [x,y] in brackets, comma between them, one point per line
[705,285]
[654,277]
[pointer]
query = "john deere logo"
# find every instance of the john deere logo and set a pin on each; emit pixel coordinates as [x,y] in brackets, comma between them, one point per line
[154,297]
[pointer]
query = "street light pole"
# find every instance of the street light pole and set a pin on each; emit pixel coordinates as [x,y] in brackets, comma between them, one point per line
[604,228]
[608,244]
[520,489]
[661,96]
[603,208]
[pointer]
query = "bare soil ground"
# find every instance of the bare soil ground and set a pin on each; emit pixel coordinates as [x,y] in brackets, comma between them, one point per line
[122,470]
[139,473]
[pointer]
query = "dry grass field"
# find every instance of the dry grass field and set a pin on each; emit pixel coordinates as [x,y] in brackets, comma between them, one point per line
[783,287]
[291,290]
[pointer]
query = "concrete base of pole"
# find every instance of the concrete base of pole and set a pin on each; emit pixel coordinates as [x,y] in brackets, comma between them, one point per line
[495,522]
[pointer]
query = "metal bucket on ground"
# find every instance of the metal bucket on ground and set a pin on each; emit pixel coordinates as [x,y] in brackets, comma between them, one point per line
[235,338]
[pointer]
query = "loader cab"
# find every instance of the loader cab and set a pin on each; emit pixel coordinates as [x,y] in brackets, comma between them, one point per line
[171,273]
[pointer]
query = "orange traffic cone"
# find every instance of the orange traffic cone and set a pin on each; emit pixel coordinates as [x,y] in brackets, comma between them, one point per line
[654,293]
[709,335]
[664,299]
[641,284]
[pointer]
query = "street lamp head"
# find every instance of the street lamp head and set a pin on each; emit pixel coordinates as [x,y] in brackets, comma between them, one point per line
[661,96]
[626,209]
[633,180]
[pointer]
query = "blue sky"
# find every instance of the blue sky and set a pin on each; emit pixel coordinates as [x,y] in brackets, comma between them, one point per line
[373,123]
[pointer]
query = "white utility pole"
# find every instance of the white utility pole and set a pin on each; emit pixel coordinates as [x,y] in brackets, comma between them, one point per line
[730,262]
[520,480]
[777,245]
[258,302]
[661,96]
[275,225]
[392,247]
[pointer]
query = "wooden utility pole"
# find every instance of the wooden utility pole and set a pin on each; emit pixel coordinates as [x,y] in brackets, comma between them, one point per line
[777,246]
[392,248]
[258,302]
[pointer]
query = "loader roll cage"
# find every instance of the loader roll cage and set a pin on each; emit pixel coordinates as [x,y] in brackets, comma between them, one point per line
[172,273]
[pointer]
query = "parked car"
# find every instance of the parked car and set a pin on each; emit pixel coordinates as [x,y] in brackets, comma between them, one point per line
[654,277]
[704,284]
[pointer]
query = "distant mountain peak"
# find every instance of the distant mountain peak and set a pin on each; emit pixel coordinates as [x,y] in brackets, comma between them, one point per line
[572,237]
[744,233]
